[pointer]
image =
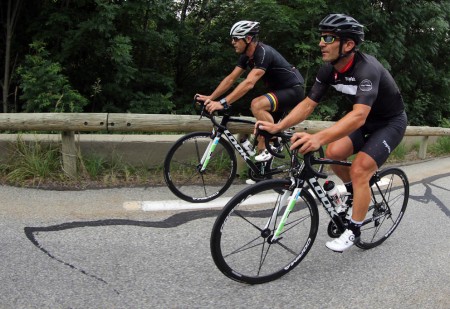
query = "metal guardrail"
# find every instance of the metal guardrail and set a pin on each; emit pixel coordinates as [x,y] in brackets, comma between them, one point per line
[68,123]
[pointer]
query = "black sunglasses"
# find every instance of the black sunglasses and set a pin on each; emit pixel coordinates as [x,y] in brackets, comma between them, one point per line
[328,38]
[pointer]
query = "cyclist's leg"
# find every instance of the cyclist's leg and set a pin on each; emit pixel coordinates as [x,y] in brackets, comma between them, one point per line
[340,150]
[362,169]
[261,108]
[382,139]
[272,103]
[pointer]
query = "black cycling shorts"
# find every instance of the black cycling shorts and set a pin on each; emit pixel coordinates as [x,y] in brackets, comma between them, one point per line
[379,139]
[282,101]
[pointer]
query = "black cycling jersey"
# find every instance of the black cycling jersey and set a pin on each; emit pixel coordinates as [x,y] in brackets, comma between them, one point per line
[367,82]
[279,74]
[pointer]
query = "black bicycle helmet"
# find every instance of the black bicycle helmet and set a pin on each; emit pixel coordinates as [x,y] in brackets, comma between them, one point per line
[343,26]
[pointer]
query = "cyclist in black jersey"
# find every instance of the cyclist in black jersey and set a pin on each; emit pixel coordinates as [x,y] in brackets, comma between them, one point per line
[284,80]
[371,130]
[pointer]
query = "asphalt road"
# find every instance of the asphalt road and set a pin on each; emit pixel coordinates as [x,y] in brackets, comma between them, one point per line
[83,249]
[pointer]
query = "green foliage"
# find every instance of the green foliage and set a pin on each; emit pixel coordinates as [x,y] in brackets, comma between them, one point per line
[441,147]
[155,103]
[152,56]
[94,166]
[38,164]
[399,152]
[33,162]
[45,88]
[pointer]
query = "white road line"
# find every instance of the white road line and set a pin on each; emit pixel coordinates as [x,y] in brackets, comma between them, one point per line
[173,205]
[183,205]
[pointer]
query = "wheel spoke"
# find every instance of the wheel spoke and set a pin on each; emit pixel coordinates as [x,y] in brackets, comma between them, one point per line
[242,241]
[389,200]
[182,168]
[237,213]
[245,247]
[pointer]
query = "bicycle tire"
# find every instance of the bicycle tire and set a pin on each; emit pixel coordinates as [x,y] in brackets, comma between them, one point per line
[240,243]
[388,204]
[181,170]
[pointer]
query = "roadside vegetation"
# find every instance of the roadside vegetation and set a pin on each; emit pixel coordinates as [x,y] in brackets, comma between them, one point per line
[40,166]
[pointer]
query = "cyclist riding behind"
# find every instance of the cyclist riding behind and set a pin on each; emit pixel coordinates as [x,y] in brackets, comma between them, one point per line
[284,81]
[371,130]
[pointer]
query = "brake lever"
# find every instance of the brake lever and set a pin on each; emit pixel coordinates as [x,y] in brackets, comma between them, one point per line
[202,111]
[267,136]
[197,102]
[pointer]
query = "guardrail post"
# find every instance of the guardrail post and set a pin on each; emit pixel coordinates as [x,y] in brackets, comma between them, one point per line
[69,153]
[423,147]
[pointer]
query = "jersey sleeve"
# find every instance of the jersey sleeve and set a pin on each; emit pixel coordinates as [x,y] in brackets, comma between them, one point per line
[321,84]
[262,58]
[368,81]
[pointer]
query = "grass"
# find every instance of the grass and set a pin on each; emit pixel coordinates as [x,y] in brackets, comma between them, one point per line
[441,147]
[39,165]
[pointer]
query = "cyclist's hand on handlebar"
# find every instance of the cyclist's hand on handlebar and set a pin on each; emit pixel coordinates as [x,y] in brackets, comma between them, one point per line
[212,106]
[201,97]
[304,142]
[266,126]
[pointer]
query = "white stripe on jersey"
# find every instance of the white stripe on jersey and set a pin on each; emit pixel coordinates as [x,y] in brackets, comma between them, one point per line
[347,89]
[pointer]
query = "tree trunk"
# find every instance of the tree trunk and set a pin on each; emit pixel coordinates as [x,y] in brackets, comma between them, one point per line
[11,19]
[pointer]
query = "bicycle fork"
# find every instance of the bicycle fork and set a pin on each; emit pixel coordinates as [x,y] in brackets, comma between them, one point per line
[286,199]
[209,150]
[295,195]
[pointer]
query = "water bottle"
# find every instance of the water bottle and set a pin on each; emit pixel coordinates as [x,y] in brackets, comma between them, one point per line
[248,147]
[333,193]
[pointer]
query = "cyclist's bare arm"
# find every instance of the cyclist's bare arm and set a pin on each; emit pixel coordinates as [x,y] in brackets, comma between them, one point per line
[246,85]
[238,92]
[224,85]
[346,125]
[353,120]
[297,115]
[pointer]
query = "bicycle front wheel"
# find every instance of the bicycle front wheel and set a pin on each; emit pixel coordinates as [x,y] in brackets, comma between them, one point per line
[389,200]
[182,168]
[242,244]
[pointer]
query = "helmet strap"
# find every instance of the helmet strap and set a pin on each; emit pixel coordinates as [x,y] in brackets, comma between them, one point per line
[341,54]
[247,45]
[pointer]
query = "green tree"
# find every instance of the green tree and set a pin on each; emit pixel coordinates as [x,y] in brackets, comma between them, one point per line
[152,56]
[45,88]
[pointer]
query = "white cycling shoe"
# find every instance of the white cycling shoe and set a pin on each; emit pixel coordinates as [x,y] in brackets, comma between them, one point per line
[345,241]
[250,181]
[263,156]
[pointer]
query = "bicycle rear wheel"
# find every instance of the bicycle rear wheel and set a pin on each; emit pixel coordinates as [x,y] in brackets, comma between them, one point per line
[182,168]
[389,200]
[241,239]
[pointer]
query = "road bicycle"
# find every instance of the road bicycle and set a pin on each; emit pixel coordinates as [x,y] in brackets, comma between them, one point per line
[267,229]
[201,166]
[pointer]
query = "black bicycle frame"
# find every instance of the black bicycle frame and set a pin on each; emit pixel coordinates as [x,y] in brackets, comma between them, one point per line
[221,129]
[312,180]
